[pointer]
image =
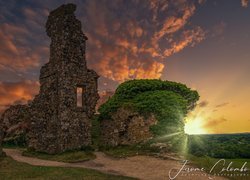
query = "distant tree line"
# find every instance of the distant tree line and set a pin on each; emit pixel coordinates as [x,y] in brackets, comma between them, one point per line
[220,145]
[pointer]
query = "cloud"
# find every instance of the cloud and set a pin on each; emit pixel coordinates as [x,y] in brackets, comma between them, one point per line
[17,92]
[127,39]
[189,37]
[16,53]
[23,41]
[201,1]
[174,23]
[203,104]
[133,39]
[222,105]
[214,122]
[244,3]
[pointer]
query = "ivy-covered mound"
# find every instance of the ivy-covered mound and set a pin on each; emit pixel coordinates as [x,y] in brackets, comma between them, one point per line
[168,101]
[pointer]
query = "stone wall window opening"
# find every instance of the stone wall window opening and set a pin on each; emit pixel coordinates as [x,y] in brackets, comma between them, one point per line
[80,96]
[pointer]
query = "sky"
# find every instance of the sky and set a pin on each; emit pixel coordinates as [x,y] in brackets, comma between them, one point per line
[204,44]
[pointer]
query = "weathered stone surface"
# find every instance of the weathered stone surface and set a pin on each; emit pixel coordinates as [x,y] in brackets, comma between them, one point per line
[57,124]
[14,122]
[126,128]
[1,139]
[54,120]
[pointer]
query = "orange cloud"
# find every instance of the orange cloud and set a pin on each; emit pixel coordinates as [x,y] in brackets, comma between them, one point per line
[158,5]
[154,70]
[244,3]
[136,44]
[173,24]
[116,65]
[17,92]
[213,122]
[189,37]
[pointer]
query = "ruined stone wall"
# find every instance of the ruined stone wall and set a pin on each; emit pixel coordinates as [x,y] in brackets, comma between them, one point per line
[126,128]
[57,124]
[15,120]
[1,139]
[13,123]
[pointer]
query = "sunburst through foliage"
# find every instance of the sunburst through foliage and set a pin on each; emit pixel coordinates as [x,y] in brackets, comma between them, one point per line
[195,126]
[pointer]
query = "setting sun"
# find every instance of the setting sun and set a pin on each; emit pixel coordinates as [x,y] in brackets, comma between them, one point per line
[195,126]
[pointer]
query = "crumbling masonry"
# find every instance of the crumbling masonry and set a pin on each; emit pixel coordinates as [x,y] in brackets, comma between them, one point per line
[57,122]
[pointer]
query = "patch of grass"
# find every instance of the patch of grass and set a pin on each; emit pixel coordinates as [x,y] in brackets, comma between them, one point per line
[122,151]
[10,169]
[70,156]
[208,162]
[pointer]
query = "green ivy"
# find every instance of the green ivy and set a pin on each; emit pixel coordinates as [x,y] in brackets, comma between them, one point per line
[168,101]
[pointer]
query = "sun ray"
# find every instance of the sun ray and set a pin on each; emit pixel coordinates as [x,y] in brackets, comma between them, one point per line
[195,126]
[168,135]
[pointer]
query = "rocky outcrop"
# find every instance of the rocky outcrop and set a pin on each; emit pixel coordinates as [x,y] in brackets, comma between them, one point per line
[126,127]
[57,123]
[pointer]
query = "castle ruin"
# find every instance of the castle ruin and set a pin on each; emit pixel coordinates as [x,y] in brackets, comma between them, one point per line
[60,115]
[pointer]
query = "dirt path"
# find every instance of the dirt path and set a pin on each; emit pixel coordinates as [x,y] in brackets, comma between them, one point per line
[142,167]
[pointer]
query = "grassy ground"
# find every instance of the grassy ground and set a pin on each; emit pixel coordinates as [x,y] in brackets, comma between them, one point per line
[10,169]
[122,151]
[208,163]
[70,157]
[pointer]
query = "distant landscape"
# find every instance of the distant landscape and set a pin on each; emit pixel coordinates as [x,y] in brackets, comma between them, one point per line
[220,145]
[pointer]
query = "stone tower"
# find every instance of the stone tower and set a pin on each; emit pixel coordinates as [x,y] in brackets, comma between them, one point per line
[60,115]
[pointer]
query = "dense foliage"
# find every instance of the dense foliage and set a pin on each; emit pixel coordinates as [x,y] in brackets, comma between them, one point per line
[220,145]
[132,88]
[168,101]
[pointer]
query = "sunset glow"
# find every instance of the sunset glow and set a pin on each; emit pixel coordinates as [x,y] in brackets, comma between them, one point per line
[195,126]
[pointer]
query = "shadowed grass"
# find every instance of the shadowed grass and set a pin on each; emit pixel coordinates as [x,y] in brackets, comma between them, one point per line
[69,157]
